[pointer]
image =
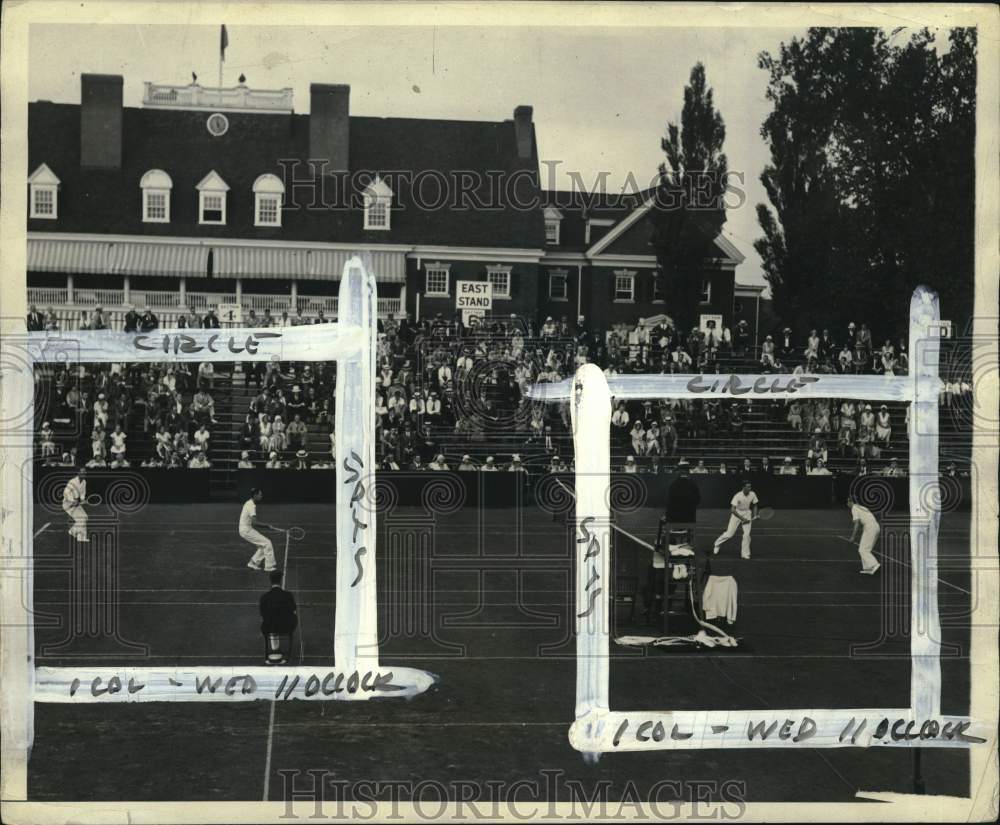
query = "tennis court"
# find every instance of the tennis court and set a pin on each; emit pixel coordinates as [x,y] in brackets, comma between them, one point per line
[483,598]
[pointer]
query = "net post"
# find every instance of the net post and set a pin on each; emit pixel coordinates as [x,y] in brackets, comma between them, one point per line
[356,631]
[925,498]
[591,418]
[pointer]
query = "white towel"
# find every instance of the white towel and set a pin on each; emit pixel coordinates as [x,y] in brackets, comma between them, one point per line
[720,597]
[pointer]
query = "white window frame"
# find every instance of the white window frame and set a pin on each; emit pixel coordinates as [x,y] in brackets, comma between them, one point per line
[553,218]
[212,185]
[503,272]
[266,189]
[155,182]
[43,180]
[559,273]
[706,291]
[625,274]
[378,202]
[437,269]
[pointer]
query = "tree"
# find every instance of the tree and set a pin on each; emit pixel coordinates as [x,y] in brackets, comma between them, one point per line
[688,211]
[871,180]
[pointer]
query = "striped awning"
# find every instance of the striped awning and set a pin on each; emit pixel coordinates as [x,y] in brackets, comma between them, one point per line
[51,255]
[188,260]
[301,264]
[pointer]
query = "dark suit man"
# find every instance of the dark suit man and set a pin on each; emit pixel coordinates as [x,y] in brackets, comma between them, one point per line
[279,618]
[210,321]
[35,321]
[131,321]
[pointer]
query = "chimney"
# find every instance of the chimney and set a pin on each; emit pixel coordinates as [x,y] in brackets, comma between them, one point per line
[523,131]
[101,121]
[329,126]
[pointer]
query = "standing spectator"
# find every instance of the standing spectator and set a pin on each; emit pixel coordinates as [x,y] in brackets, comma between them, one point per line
[131,320]
[51,320]
[210,321]
[301,460]
[768,358]
[35,321]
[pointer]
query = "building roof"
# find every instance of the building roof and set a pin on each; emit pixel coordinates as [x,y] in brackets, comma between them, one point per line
[617,225]
[178,142]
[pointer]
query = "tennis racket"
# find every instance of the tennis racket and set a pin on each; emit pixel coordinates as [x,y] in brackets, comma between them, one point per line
[93,499]
[764,514]
[294,533]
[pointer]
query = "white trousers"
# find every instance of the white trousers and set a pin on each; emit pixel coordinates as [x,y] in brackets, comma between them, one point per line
[265,550]
[734,525]
[78,529]
[868,538]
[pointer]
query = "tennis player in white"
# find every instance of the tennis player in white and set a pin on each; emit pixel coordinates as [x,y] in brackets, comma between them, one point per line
[73,499]
[870,530]
[248,523]
[742,511]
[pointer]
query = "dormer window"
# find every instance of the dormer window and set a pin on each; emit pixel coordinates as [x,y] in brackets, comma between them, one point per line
[378,203]
[156,186]
[553,217]
[268,191]
[43,191]
[212,192]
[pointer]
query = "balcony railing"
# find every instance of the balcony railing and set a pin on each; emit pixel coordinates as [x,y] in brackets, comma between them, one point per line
[208,97]
[168,307]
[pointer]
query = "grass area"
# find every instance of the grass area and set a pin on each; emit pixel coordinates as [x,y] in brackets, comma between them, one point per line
[483,599]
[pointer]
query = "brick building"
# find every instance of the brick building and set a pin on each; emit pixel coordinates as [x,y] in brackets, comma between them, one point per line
[228,198]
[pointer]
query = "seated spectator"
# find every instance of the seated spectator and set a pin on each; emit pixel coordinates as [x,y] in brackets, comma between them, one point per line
[894,470]
[747,468]
[846,442]
[244,463]
[654,467]
[722,468]
[883,426]
[67,460]
[206,375]
[768,359]
[119,462]
[202,437]
[819,469]
[700,468]
[467,464]
[326,465]
[417,464]
[795,415]
[489,466]
[118,438]
[301,460]
[845,360]
[787,468]
[199,461]
[817,447]
[97,461]
[630,465]
[296,433]
[202,408]
[48,443]
[273,462]
[638,437]
[438,463]
[148,322]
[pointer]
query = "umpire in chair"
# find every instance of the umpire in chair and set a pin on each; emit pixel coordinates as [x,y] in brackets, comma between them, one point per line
[677,526]
[279,619]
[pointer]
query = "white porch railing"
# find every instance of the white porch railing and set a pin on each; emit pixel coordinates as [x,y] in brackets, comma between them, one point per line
[168,308]
[210,97]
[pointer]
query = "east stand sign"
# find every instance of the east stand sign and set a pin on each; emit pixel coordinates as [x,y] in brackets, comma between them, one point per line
[473,299]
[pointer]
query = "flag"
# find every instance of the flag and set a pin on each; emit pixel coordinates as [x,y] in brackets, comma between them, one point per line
[223,42]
